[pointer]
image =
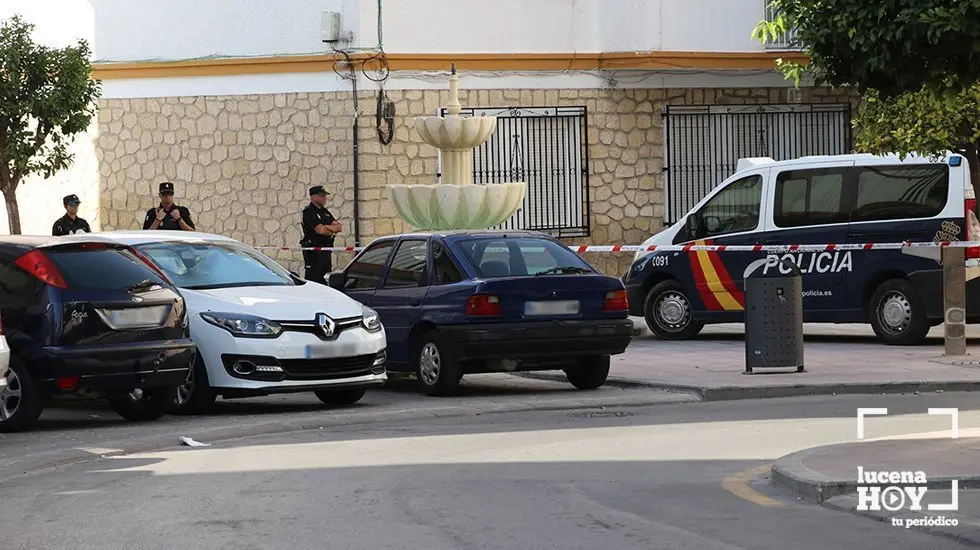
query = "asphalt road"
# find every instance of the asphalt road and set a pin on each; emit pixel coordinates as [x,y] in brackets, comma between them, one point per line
[683,475]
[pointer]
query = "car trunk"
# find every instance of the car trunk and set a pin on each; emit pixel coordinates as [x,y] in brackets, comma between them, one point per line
[108,295]
[551,297]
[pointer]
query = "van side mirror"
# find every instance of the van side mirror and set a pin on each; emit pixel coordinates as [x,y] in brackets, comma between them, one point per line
[692,225]
[337,280]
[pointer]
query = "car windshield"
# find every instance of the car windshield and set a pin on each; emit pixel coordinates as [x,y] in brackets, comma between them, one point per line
[521,256]
[201,266]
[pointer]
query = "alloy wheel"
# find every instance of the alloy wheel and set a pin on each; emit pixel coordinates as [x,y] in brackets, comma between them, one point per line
[185,391]
[10,396]
[430,362]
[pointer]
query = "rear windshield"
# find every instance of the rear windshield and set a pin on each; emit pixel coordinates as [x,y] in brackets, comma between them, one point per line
[102,269]
[520,256]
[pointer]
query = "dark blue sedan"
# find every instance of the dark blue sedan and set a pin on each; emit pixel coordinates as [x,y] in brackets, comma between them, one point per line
[456,303]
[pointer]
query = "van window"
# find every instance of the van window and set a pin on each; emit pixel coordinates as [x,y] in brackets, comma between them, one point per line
[810,197]
[734,209]
[900,192]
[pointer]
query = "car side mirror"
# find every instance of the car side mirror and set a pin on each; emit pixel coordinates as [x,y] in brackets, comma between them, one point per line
[337,280]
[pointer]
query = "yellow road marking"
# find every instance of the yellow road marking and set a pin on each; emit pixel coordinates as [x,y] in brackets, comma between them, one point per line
[738,485]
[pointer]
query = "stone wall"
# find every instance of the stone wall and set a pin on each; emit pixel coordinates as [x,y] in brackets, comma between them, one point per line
[243,164]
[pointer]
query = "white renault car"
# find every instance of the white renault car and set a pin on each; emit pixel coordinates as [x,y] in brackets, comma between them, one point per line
[260,329]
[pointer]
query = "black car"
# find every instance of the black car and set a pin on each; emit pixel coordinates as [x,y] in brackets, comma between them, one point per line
[88,319]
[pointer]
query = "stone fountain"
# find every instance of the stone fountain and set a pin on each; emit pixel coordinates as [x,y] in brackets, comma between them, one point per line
[456,203]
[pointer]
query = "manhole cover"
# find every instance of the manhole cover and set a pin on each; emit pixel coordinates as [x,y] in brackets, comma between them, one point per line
[602,414]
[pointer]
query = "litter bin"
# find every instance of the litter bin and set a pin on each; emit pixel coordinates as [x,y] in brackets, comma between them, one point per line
[774,318]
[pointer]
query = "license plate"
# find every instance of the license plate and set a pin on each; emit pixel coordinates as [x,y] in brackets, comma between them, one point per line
[555,307]
[137,317]
[336,349]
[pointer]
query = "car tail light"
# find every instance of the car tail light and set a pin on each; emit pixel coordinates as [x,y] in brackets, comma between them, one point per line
[972,227]
[39,265]
[149,263]
[483,305]
[616,301]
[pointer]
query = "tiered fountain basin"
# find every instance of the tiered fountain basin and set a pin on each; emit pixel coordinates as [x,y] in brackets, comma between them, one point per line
[457,203]
[472,206]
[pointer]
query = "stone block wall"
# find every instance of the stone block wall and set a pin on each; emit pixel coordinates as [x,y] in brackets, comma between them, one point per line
[243,164]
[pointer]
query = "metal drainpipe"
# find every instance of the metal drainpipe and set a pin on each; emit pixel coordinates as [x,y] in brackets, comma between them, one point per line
[357,179]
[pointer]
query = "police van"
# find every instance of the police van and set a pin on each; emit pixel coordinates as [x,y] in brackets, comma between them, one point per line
[856,198]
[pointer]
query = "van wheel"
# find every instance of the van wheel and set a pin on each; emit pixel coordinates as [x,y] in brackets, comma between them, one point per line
[20,403]
[669,313]
[897,315]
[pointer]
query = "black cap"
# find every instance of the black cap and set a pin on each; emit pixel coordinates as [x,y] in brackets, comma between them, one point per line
[318,190]
[167,187]
[71,199]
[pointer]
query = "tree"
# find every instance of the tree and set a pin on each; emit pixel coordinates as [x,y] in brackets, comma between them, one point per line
[916,64]
[46,97]
[892,46]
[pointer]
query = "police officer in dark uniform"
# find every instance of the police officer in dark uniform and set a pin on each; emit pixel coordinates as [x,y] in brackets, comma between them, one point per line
[70,223]
[168,215]
[319,228]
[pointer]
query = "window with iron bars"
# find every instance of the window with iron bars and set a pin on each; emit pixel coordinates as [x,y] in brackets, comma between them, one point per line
[787,41]
[546,148]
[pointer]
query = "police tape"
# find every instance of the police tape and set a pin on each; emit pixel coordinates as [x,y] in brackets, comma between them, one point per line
[702,247]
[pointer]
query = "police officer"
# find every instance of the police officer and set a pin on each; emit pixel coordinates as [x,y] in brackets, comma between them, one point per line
[168,215]
[319,228]
[70,223]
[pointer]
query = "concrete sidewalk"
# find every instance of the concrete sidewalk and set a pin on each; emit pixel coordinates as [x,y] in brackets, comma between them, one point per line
[839,359]
[829,475]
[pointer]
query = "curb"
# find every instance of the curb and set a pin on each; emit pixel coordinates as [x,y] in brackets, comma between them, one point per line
[790,473]
[37,463]
[734,393]
[971,535]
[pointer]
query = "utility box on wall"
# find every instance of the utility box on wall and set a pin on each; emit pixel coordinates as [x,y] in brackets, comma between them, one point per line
[330,26]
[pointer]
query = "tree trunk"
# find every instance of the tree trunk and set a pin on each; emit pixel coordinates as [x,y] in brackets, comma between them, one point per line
[13,211]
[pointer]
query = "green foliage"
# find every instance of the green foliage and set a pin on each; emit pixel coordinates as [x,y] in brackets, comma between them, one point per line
[892,46]
[46,97]
[926,121]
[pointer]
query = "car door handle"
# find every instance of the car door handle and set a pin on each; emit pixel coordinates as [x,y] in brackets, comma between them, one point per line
[772,241]
[414,303]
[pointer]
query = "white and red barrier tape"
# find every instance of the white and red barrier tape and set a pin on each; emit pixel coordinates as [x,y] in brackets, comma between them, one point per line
[704,247]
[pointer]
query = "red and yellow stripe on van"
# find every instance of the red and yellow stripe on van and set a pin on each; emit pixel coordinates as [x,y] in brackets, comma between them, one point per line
[717,289]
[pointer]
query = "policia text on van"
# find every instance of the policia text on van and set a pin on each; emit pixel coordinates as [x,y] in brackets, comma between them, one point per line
[816,200]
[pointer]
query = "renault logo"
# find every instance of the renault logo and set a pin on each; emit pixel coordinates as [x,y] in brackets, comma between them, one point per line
[326,324]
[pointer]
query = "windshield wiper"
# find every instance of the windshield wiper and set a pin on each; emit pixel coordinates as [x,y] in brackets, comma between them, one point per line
[142,285]
[562,269]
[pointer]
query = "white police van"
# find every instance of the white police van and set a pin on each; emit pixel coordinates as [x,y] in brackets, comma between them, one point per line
[816,200]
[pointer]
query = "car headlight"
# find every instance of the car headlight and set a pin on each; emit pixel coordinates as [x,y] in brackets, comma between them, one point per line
[245,326]
[370,320]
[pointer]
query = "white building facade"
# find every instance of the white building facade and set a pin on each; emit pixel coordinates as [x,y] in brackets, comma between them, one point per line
[620,114]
